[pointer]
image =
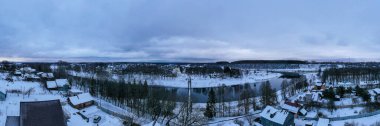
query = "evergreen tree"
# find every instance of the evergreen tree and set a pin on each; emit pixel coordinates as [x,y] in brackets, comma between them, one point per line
[210,107]
[341,91]
[329,93]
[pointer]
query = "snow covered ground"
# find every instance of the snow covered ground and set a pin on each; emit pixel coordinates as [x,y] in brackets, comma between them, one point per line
[367,121]
[198,81]
[90,112]
[341,112]
[11,106]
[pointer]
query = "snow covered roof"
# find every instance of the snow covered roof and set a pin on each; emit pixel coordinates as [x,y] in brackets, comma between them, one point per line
[372,92]
[303,111]
[44,75]
[81,98]
[345,84]
[3,90]
[50,75]
[17,72]
[61,82]
[376,90]
[75,91]
[323,122]
[274,115]
[368,82]
[51,84]
[292,107]
[311,115]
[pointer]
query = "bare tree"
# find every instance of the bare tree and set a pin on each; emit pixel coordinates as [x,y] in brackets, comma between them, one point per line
[182,117]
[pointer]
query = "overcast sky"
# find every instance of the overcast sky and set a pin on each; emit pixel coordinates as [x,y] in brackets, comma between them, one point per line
[188,30]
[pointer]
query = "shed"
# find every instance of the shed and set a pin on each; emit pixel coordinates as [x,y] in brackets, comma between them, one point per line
[17,73]
[291,107]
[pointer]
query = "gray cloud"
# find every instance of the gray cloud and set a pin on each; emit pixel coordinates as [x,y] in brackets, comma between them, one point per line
[167,30]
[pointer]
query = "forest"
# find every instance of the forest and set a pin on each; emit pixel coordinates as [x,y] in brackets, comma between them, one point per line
[351,74]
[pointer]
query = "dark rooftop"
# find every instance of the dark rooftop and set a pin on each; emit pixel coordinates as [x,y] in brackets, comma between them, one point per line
[42,113]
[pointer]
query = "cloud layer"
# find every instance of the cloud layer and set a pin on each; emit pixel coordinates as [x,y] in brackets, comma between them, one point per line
[187,30]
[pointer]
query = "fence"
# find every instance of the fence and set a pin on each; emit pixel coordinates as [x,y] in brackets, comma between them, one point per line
[108,111]
[349,117]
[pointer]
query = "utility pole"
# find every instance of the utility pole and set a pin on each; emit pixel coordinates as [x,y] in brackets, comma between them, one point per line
[189,109]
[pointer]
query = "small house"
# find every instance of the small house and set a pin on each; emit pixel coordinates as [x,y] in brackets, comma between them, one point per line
[31,77]
[27,70]
[271,116]
[17,73]
[81,101]
[313,97]
[303,111]
[40,113]
[292,107]
[59,84]
[47,76]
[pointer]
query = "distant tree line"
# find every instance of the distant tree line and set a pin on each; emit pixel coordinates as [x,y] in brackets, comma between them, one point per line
[213,69]
[269,62]
[149,69]
[353,74]
[266,66]
[7,66]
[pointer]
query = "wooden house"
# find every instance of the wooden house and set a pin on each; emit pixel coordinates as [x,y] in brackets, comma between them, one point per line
[81,101]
